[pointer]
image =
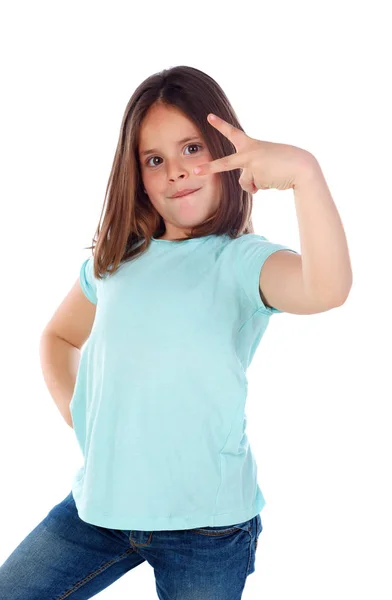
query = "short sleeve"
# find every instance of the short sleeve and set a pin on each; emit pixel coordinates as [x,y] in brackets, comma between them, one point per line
[251,253]
[87,280]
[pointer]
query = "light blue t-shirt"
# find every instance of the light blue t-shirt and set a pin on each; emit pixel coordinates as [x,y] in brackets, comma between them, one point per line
[159,400]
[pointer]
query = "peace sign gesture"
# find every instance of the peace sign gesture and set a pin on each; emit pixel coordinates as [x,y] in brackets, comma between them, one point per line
[264,164]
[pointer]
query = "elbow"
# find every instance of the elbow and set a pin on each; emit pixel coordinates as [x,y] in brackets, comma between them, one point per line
[341,298]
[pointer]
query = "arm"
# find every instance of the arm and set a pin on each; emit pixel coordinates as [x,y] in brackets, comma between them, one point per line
[59,363]
[326,267]
[320,278]
[60,344]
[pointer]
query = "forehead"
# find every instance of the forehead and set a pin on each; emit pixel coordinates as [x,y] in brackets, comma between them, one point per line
[164,124]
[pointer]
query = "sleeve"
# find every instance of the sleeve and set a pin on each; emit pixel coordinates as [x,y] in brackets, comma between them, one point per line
[87,280]
[252,252]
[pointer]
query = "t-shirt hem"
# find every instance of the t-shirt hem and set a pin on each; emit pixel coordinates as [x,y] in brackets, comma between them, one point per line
[168,523]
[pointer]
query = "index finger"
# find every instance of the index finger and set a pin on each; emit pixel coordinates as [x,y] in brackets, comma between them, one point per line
[226,163]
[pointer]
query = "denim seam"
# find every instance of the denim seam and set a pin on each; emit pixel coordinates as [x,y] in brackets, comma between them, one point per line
[134,544]
[93,574]
[221,532]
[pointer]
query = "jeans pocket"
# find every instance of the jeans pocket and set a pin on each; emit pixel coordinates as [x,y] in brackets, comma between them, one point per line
[224,529]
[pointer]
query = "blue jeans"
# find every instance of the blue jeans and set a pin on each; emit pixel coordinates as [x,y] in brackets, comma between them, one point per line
[65,557]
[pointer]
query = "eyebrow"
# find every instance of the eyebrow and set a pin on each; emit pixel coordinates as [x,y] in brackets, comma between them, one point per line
[187,139]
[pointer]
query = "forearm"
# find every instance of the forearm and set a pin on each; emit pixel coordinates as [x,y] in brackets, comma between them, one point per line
[59,364]
[326,264]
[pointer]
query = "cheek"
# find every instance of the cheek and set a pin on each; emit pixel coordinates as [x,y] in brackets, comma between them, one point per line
[156,182]
[151,186]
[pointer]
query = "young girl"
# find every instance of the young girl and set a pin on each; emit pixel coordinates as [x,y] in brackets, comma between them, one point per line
[170,310]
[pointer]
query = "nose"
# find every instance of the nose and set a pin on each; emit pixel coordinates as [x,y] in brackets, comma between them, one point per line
[176,171]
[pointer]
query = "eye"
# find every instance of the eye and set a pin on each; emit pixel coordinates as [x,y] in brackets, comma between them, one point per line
[188,146]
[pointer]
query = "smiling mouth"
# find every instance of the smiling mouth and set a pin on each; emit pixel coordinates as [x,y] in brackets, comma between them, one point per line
[185,195]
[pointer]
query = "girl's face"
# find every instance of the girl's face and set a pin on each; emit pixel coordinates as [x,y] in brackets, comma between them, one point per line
[170,146]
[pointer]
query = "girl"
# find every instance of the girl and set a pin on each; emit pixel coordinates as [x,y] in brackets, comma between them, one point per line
[170,310]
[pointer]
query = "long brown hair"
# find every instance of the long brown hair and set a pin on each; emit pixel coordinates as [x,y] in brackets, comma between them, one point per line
[129,216]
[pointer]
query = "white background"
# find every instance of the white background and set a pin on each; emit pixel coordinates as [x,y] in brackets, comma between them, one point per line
[311,74]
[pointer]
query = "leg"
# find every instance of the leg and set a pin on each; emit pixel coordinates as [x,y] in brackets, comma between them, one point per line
[210,563]
[66,557]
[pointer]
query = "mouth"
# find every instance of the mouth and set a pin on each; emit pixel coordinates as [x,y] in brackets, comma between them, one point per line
[185,193]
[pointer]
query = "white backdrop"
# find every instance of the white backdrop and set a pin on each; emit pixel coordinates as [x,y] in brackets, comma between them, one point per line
[319,406]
